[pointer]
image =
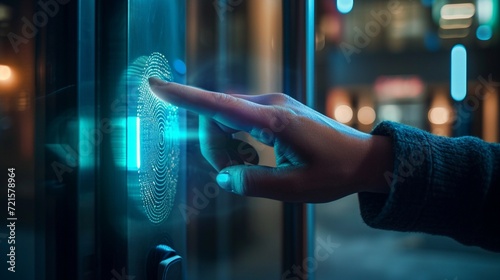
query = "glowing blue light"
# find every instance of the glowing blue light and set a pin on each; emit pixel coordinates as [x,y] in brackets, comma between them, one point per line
[159,143]
[180,66]
[310,50]
[345,6]
[138,143]
[134,143]
[484,32]
[458,72]
[224,181]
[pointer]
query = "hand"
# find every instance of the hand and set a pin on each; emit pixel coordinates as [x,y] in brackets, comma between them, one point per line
[317,158]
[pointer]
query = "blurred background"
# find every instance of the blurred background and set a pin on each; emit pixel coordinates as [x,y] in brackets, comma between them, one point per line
[67,95]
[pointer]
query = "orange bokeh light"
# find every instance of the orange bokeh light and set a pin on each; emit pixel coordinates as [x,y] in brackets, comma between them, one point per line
[5,73]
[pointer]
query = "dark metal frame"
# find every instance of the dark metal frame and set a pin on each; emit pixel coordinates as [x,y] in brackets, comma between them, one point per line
[298,82]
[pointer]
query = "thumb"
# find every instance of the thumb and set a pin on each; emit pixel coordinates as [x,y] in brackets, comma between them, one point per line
[282,183]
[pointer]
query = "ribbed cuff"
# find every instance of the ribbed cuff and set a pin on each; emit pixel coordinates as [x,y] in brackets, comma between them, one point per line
[402,207]
[439,185]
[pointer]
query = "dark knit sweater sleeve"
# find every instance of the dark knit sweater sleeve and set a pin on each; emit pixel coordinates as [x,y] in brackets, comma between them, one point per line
[439,185]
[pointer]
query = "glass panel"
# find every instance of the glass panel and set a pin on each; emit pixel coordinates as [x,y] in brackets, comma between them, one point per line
[234,46]
[155,151]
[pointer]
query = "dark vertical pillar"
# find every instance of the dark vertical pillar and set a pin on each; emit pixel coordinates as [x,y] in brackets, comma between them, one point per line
[111,190]
[298,82]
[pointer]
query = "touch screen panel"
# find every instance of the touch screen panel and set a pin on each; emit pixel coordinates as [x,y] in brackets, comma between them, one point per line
[156,130]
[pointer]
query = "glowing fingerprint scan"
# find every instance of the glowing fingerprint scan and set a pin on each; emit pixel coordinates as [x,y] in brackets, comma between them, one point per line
[158,148]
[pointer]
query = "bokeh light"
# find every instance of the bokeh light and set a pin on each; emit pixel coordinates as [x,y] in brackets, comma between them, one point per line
[345,6]
[439,115]
[366,115]
[484,32]
[390,112]
[5,72]
[343,113]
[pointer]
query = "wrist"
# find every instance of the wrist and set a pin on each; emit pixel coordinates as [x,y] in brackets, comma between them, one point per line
[378,160]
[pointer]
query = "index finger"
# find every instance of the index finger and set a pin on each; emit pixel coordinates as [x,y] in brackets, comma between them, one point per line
[231,111]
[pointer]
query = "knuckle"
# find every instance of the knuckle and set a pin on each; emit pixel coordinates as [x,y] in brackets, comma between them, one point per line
[281,116]
[281,99]
[223,98]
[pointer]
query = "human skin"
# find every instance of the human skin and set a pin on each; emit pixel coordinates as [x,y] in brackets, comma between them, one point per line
[317,159]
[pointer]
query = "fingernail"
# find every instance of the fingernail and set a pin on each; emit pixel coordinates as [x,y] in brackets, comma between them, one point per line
[224,181]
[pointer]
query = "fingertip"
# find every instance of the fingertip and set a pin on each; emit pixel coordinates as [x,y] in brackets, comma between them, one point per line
[230,179]
[224,181]
[155,82]
[158,86]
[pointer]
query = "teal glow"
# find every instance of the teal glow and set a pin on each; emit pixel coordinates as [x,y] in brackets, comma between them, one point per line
[133,143]
[138,143]
[310,51]
[345,6]
[119,141]
[486,11]
[89,138]
[180,66]
[484,32]
[176,134]
[458,72]
[436,9]
[427,3]
[224,181]
[311,234]
[157,145]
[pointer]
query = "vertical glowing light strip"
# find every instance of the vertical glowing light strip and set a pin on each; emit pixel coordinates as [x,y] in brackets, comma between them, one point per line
[133,144]
[310,53]
[138,143]
[458,72]
[345,6]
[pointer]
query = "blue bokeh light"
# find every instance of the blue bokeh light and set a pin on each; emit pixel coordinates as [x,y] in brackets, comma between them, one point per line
[458,72]
[180,66]
[345,6]
[484,32]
